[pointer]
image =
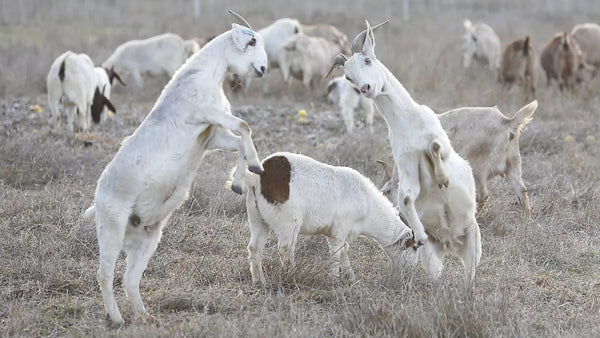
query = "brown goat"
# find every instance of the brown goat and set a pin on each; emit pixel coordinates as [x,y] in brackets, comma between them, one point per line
[562,60]
[517,64]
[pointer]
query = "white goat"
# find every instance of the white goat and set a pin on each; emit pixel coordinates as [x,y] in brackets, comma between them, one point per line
[587,36]
[150,176]
[155,56]
[490,142]
[307,58]
[298,195]
[72,79]
[426,162]
[343,93]
[275,35]
[481,43]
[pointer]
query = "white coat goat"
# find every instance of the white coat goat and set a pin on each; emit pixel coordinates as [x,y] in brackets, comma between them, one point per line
[159,55]
[327,32]
[298,195]
[481,43]
[72,80]
[490,142]
[307,58]
[151,174]
[436,185]
[347,96]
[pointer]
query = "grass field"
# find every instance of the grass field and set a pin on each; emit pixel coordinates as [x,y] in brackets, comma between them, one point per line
[537,277]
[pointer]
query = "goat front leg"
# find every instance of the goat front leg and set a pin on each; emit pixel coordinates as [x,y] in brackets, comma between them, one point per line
[434,154]
[409,188]
[239,126]
[223,139]
[514,177]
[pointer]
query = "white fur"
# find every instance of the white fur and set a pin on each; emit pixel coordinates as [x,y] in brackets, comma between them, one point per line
[155,56]
[436,188]
[490,142]
[347,97]
[481,43]
[337,202]
[307,58]
[76,91]
[150,176]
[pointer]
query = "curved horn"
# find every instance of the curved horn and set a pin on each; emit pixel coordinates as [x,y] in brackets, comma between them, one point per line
[338,62]
[240,19]
[387,169]
[358,41]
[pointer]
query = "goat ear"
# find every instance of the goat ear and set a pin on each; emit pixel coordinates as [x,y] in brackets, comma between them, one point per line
[109,105]
[241,36]
[369,44]
[114,75]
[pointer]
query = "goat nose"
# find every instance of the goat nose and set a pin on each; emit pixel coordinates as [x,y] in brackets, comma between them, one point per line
[263,69]
[365,88]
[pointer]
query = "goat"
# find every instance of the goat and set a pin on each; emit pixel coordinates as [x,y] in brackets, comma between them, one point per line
[307,58]
[299,195]
[481,43]
[327,32]
[562,60]
[347,96]
[587,36]
[517,64]
[73,80]
[151,174]
[489,141]
[155,56]
[275,36]
[104,79]
[436,185]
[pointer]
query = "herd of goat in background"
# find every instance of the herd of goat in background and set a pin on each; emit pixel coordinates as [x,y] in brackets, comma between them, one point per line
[442,161]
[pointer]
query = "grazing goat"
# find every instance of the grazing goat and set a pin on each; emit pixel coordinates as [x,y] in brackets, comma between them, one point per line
[327,32]
[343,93]
[489,141]
[562,60]
[72,79]
[159,55]
[307,58]
[587,36]
[150,176]
[481,43]
[104,78]
[436,185]
[298,195]
[517,64]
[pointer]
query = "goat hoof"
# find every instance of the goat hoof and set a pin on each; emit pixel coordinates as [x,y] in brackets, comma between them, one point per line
[236,189]
[255,169]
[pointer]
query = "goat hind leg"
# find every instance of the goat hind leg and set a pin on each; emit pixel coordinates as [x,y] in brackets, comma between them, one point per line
[139,249]
[258,237]
[110,241]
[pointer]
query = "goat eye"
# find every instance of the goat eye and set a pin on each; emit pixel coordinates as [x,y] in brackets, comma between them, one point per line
[367,61]
[252,42]
[474,38]
[348,78]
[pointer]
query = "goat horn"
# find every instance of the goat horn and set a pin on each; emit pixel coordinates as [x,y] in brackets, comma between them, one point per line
[240,18]
[387,169]
[358,41]
[338,62]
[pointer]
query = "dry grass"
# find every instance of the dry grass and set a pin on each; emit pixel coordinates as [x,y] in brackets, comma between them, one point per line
[538,276]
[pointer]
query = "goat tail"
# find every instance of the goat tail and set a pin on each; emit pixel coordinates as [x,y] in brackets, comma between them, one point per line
[523,116]
[90,213]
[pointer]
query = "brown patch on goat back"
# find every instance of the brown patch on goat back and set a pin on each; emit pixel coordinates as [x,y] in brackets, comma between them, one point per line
[275,179]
